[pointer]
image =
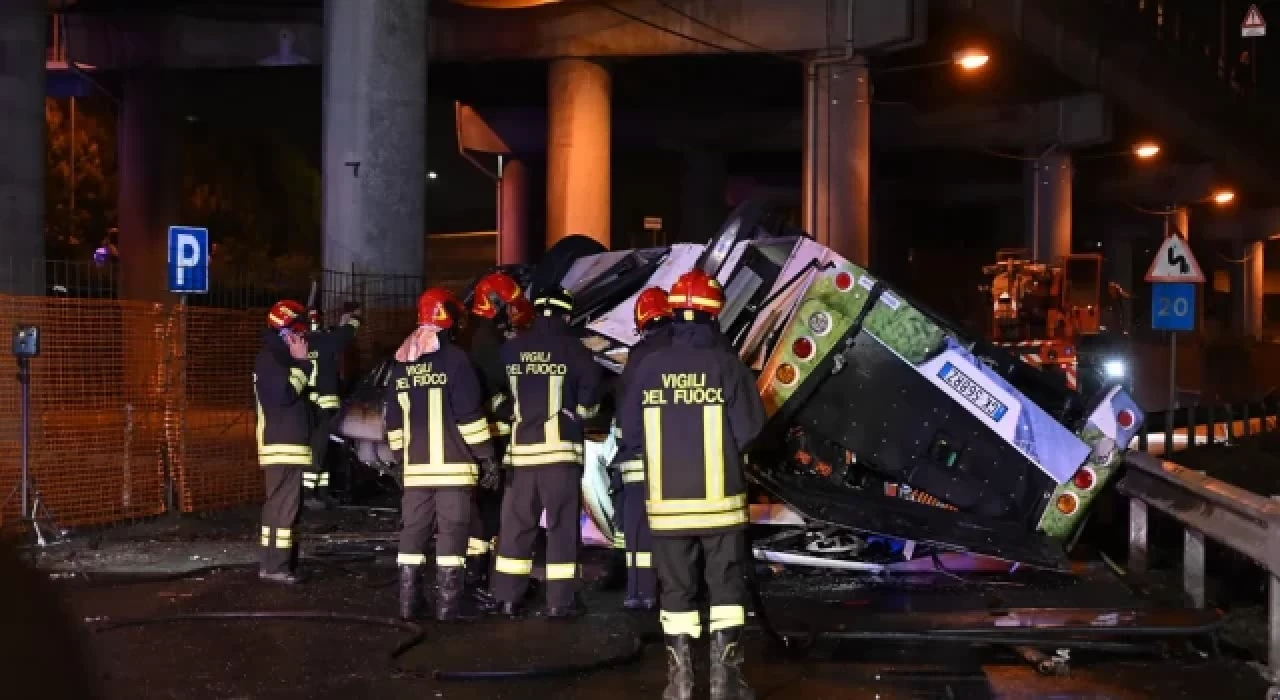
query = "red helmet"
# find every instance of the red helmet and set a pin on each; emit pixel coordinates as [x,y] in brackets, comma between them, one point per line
[697,291]
[436,307]
[288,313]
[651,305]
[497,290]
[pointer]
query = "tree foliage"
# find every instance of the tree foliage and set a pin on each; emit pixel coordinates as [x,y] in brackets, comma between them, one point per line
[73,232]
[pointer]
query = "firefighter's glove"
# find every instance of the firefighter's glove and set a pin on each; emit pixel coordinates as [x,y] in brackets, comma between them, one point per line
[615,479]
[490,474]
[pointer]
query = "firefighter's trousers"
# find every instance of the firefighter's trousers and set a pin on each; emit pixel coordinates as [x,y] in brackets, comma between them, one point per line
[278,542]
[722,567]
[557,489]
[316,479]
[486,518]
[448,509]
[642,583]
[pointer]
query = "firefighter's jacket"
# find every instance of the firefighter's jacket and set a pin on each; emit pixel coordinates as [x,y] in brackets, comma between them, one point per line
[435,418]
[325,348]
[628,457]
[695,407]
[555,385]
[486,353]
[280,387]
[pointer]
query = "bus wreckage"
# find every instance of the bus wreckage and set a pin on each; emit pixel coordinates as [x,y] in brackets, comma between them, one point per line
[893,435]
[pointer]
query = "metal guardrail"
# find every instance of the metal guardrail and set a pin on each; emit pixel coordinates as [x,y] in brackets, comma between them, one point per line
[1211,424]
[1206,507]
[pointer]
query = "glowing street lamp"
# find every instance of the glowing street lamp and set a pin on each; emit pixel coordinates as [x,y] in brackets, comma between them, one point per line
[1223,196]
[971,59]
[1146,150]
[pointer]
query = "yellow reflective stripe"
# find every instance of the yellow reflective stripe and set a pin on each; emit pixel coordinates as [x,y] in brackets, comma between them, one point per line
[653,450]
[678,623]
[644,560]
[419,469]
[514,567]
[515,397]
[298,379]
[450,562]
[688,506]
[310,479]
[538,448]
[328,401]
[404,559]
[561,572]
[438,480]
[726,616]
[270,460]
[548,301]
[713,450]
[632,471]
[684,299]
[555,387]
[697,522]
[314,374]
[265,538]
[260,432]
[498,429]
[550,457]
[284,538]
[477,547]
[630,559]
[285,450]
[475,432]
[354,322]
[395,438]
[496,401]
[620,542]
[435,426]
[324,478]
[588,411]
[403,399]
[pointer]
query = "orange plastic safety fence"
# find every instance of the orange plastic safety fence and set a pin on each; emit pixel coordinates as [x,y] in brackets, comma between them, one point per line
[212,428]
[96,428]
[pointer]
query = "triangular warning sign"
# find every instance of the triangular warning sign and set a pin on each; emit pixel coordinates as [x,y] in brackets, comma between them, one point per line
[1175,263]
[1253,18]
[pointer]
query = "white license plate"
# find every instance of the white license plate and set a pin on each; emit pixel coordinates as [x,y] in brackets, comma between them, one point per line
[971,391]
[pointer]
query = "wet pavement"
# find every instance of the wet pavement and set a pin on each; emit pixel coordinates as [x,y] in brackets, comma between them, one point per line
[350,558]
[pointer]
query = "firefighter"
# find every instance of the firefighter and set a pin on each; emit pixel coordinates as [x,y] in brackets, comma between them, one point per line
[555,384]
[325,346]
[281,381]
[693,406]
[436,426]
[500,310]
[626,474]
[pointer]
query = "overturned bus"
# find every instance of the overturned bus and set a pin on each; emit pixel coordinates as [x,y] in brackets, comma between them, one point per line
[887,424]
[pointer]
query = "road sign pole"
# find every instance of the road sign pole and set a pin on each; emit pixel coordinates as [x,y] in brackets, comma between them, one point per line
[1173,370]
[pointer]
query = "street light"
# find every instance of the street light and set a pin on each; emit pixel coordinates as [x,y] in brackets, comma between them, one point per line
[971,59]
[1146,150]
[1223,196]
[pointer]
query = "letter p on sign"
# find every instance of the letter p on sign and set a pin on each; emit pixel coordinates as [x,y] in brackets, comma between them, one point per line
[188,260]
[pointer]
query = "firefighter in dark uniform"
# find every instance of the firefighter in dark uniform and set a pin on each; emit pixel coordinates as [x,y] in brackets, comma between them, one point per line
[626,474]
[694,407]
[326,347]
[436,426]
[281,381]
[499,310]
[555,385]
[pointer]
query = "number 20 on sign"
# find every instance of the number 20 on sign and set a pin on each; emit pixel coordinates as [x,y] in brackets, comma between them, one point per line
[1173,306]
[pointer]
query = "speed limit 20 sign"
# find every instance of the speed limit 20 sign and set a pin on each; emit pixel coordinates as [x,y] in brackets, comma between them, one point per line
[1173,306]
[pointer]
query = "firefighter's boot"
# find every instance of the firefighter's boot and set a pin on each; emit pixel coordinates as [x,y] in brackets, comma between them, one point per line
[450,603]
[478,570]
[679,667]
[727,682]
[411,601]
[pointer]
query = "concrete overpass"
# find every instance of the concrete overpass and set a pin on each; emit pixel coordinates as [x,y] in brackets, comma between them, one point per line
[375,53]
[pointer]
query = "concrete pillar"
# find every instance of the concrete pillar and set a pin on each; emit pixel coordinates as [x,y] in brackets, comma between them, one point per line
[1248,287]
[704,182]
[1049,207]
[147,142]
[513,214]
[22,88]
[578,157]
[837,158]
[375,123]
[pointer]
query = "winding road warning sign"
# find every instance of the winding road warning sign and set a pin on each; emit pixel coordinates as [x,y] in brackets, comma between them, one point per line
[1175,263]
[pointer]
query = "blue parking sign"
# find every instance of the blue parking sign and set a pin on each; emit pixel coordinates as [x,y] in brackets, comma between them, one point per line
[188,260]
[1173,306]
